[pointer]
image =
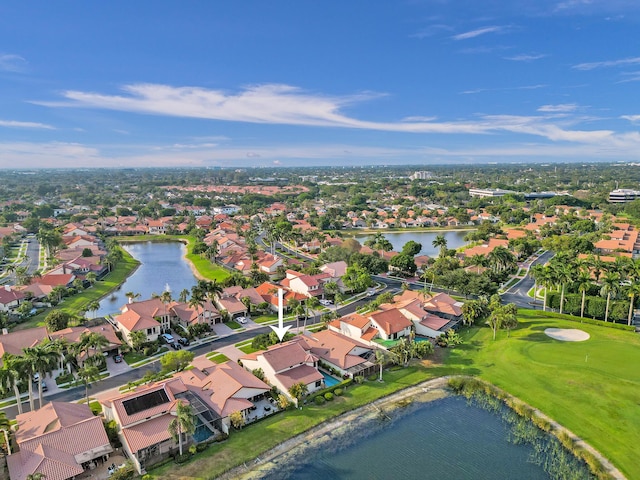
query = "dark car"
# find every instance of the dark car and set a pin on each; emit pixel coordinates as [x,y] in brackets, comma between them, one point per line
[175,346]
[183,341]
[117,358]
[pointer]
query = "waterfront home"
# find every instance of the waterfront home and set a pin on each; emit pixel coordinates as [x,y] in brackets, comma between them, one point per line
[15,342]
[391,324]
[153,308]
[338,352]
[72,335]
[286,364]
[355,326]
[143,418]
[60,441]
[187,315]
[227,388]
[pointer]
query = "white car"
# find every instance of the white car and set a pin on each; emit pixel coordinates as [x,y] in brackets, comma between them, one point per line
[242,320]
[326,303]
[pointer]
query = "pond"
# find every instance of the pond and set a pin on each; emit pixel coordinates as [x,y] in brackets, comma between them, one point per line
[162,266]
[442,439]
[455,239]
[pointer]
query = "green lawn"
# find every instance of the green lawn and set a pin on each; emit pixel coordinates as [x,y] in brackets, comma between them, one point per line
[265,318]
[592,387]
[217,357]
[266,434]
[589,387]
[233,325]
[78,303]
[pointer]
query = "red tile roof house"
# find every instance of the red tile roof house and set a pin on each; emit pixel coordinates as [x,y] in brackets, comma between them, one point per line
[9,298]
[143,418]
[286,364]
[439,304]
[239,293]
[141,316]
[60,440]
[226,387]
[391,324]
[186,315]
[269,293]
[355,326]
[346,355]
[425,324]
[234,307]
[72,335]
[307,285]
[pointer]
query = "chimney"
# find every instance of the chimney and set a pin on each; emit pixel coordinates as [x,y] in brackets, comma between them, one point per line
[5,331]
[7,288]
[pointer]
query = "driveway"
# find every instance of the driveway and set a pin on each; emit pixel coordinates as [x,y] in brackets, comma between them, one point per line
[222,330]
[231,352]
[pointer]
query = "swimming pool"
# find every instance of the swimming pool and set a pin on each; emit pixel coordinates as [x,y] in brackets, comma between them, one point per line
[329,381]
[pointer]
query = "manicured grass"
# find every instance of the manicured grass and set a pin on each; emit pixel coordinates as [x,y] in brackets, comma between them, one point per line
[233,325]
[589,387]
[133,357]
[265,318]
[247,349]
[256,439]
[218,357]
[78,303]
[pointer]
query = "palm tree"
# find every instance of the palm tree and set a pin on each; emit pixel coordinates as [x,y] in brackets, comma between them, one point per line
[610,284]
[132,296]
[633,292]
[183,423]
[246,301]
[564,273]
[36,476]
[184,295]
[310,304]
[197,300]
[88,374]
[440,242]
[45,359]
[31,365]
[536,272]
[13,370]
[91,278]
[93,307]
[584,284]
[92,341]
[166,299]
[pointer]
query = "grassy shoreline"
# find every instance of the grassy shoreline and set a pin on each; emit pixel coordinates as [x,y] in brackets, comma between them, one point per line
[549,375]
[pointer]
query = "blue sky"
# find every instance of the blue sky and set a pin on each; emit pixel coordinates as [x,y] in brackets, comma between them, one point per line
[300,83]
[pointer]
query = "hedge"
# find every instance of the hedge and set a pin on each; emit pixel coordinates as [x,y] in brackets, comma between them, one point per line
[594,307]
[342,385]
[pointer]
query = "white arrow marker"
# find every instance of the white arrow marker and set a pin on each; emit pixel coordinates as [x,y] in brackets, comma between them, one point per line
[280,329]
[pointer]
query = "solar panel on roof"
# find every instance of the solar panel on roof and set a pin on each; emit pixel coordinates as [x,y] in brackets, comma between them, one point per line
[145,402]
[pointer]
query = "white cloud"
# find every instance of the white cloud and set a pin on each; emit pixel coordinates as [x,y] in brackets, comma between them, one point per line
[17,124]
[478,32]
[631,118]
[561,108]
[525,57]
[12,63]
[524,87]
[608,63]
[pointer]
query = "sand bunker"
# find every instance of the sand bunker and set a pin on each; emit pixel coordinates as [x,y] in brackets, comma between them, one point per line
[567,334]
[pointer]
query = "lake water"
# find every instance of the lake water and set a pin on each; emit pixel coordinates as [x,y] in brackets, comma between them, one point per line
[455,239]
[442,439]
[162,265]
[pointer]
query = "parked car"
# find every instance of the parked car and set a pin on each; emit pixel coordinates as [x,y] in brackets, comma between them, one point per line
[168,338]
[325,302]
[371,293]
[117,358]
[183,341]
[44,386]
[175,346]
[242,320]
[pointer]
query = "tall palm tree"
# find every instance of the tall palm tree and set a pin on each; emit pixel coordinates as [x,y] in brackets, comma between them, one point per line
[564,273]
[311,303]
[92,341]
[184,295]
[584,284]
[132,296]
[45,360]
[440,242]
[536,272]
[166,299]
[30,358]
[198,297]
[633,292]
[91,278]
[13,368]
[610,285]
[183,423]
[88,374]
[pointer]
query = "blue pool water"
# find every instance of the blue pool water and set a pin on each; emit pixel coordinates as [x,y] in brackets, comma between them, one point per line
[329,381]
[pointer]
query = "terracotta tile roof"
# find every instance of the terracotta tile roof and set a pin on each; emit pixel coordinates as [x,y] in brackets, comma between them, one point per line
[355,319]
[434,322]
[56,439]
[369,334]
[334,348]
[303,373]
[284,355]
[170,387]
[132,321]
[15,342]
[443,303]
[148,433]
[391,321]
[8,295]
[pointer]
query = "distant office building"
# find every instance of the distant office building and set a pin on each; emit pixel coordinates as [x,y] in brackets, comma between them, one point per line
[623,195]
[541,195]
[309,178]
[488,192]
[421,176]
[227,210]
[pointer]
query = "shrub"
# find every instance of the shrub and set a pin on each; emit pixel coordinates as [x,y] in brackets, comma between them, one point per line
[337,391]
[359,379]
[319,400]
[201,447]
[328,396]
[185,457]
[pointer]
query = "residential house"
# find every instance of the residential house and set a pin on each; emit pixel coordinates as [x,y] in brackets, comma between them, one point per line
[10,299]
[307,285]
[60,441]
[286,364]
[187,315]
[15,342]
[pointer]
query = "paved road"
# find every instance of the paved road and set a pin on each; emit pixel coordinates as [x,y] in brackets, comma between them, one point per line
[518,294]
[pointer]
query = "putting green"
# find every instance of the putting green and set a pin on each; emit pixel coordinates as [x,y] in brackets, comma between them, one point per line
[590,387]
